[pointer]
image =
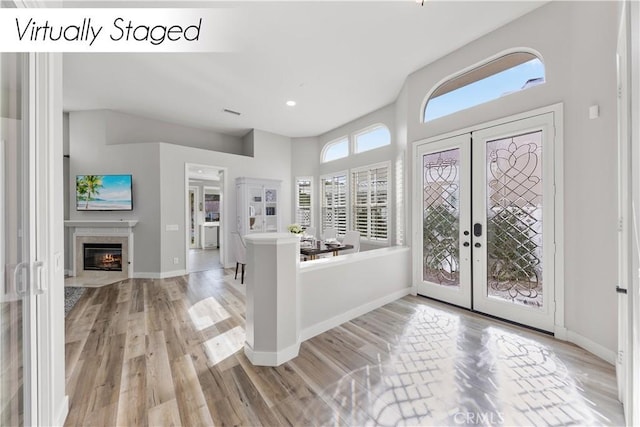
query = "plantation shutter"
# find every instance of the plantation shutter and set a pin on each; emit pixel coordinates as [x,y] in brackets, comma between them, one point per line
[334,203]
[369,192]
[303,204]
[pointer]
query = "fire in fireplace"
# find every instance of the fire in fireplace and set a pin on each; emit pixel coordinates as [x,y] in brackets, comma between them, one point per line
[103,256]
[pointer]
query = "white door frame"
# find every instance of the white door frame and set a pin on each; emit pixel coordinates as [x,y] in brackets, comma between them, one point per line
[556,110]
[629,189]
[459,295]
[224,214]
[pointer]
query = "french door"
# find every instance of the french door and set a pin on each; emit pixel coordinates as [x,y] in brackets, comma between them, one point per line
[487,221]
[18,249]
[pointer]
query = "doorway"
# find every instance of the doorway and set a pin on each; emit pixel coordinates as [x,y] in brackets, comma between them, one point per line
[487,206]
[205,221]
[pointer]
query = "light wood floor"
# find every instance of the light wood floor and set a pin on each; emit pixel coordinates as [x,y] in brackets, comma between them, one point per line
[168,352]
[204,259]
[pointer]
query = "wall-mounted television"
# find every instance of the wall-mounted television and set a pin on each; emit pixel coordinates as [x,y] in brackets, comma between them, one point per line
[104,193]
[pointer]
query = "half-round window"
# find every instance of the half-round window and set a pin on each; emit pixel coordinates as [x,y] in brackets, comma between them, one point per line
[335,150]
[500,77]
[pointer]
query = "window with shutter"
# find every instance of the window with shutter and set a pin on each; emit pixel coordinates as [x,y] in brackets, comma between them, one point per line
[370,201]
[334,202]
[303,201]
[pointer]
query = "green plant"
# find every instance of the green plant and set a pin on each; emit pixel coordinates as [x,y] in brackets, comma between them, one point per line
[88,186]
[295,228]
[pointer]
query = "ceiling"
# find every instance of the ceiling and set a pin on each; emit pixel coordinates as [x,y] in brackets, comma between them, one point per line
[337,60]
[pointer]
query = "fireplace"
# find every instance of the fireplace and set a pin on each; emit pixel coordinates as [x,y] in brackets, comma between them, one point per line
[102,256]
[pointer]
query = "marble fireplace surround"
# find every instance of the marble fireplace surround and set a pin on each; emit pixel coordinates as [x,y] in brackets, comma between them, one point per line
[100,232]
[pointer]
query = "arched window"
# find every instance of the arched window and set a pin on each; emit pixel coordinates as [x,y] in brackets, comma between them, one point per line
[497,78]
[337,149]
[369,139]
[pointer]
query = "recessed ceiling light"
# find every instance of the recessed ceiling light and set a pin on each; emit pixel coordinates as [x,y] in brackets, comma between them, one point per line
[291,103]
[199,170]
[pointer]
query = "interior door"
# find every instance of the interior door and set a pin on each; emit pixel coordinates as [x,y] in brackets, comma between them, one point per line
[487,221]
[445,205]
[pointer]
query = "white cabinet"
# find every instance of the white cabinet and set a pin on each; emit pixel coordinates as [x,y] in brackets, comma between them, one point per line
[257,205]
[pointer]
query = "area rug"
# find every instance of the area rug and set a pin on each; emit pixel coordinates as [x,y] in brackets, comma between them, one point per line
[71,297]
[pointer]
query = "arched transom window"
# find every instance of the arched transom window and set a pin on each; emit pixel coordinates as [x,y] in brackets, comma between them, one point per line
[497,78]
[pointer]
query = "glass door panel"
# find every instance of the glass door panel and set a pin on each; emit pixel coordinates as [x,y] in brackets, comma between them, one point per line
[16,243]
[513,197]
[444,204]
[514,219]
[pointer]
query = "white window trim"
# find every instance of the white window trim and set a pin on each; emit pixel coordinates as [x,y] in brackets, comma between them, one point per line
[355,135]
[333,142]
[346,173]
[390,190]
[297,194]
[470,68]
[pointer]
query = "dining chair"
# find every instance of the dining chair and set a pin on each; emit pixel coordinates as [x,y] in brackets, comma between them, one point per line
[351,238]
[329,233]
[240,250]
[310,231]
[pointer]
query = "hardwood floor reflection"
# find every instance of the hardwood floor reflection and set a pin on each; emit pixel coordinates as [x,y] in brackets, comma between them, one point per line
[169,352]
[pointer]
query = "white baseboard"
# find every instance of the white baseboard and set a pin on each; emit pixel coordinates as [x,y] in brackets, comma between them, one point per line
[592,347]
[68,272]
[338,320]
[268,358]
[63,411]
[163,275]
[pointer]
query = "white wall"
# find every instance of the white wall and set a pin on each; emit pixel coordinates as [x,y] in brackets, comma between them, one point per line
[128,129]
[158,171]
[305,154]
[89,154]
[337,289]
[577,42]
[272,160]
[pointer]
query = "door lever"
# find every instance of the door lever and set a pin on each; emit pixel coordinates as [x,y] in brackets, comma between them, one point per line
[37,270]
[477,229]
[19,281]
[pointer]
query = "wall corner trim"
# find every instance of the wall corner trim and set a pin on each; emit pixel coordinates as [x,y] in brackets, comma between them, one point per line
[275,358]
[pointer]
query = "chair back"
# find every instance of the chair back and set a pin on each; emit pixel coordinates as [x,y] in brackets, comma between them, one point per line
[329,233]
[239,248]
[310,231]
[351,238]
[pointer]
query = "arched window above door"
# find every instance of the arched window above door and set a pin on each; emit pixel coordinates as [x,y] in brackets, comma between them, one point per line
[499,77]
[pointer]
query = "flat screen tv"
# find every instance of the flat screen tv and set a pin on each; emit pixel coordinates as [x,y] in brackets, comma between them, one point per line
[104,193]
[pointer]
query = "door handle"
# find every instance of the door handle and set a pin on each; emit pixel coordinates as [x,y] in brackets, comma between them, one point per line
[477,245]
[37,269]
[20,290]
[477,229]
[465,244]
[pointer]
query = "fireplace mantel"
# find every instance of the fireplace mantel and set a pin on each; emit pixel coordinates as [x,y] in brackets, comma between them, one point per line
[101,231]
[102,223]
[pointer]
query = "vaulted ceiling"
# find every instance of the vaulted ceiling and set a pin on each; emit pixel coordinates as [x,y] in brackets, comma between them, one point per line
[337,60]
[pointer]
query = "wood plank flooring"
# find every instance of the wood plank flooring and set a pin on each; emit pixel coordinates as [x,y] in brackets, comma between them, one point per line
[169,352]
